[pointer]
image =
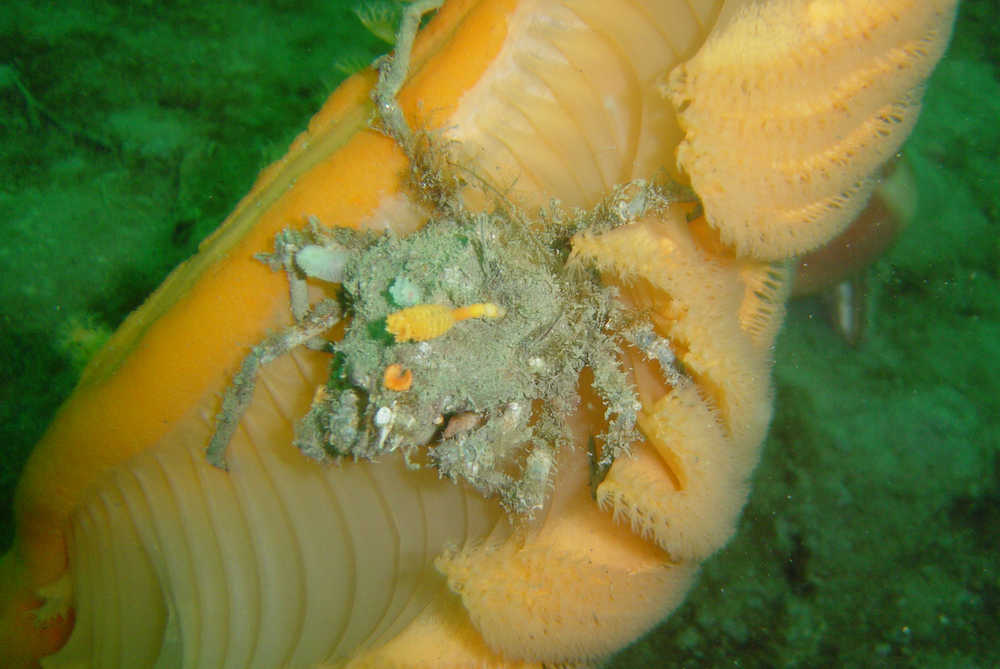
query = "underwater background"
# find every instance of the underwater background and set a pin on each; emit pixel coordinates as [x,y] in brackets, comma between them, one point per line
[129,130]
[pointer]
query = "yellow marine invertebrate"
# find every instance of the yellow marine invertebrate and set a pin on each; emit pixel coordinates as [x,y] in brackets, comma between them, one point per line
[427,321]
[817,95]
[547,490]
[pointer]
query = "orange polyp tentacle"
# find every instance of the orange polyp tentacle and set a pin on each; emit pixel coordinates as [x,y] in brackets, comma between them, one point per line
[478,310]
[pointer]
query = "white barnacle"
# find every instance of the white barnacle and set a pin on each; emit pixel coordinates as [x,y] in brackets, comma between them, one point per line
[538,466]
[383,417]
[534,483]
[325,263]
[515,416]
[383,421]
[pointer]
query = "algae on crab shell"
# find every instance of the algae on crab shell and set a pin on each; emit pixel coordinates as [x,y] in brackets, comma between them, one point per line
[486,400]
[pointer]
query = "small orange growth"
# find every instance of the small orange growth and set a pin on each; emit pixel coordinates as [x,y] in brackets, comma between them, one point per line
[397,378]
[428,321]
